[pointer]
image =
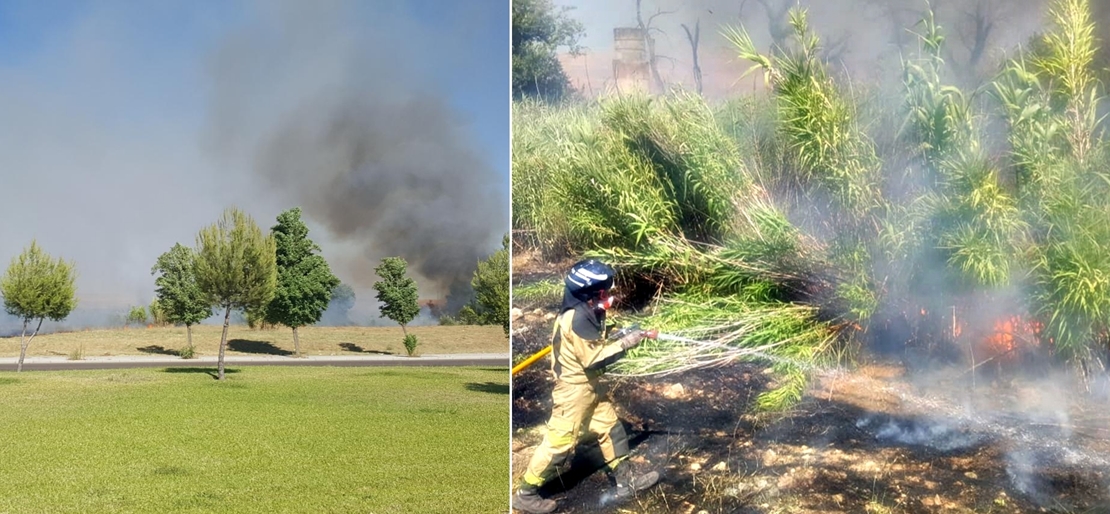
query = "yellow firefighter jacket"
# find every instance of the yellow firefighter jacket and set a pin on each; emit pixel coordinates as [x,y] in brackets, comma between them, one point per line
[576,359]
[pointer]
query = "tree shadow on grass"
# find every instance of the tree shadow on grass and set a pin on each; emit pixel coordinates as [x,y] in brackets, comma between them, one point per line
[159,349]
[212,372]
[488,387]
[352,347]
[249,346]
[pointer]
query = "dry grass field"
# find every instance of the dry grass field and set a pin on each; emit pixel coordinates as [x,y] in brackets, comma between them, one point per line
[245,341]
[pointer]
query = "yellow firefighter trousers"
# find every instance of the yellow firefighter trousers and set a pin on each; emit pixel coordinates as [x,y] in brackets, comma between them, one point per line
[574,405]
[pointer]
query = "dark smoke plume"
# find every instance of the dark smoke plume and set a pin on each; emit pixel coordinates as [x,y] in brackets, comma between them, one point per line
[344,123]
[391,175]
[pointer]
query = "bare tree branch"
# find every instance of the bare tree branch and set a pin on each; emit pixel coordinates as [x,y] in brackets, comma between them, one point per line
[777,24]
[650,44]
[657,14]
[899,16]
[834,49]
[975,36]
[694,38]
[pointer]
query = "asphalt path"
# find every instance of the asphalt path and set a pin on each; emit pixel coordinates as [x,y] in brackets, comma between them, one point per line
[124,362]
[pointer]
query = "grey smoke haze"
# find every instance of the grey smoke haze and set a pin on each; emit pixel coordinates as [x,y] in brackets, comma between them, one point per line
[125,128]
[1040,422]
[87,175]
[865,36]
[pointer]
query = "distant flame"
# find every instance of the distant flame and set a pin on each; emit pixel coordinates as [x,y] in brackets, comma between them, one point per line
[1008,332]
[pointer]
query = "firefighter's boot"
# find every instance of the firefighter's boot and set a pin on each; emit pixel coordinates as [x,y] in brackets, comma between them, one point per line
[627,482]
[527,499]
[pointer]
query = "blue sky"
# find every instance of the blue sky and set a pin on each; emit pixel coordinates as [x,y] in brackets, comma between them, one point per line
[105,107]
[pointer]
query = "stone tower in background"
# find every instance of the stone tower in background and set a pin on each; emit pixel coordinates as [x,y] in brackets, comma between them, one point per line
[631,69]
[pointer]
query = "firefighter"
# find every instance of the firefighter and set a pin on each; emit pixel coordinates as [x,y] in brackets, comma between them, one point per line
[580,352]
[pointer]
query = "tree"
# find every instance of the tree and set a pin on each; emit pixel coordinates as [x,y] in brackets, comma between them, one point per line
[305,281]
[157,313]
[37,287]
[694,37]
[236,267]
[179,296]
[538,31]
[342,299]
[649,44]
[254,318]
[778,23]
[136,315]
[491,288]
[396,292]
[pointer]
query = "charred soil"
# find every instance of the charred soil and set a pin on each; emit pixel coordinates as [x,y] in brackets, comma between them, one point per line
[876,438]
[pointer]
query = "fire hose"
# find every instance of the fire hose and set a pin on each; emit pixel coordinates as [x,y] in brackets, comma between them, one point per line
[531,360]
[654,334]
[649,334]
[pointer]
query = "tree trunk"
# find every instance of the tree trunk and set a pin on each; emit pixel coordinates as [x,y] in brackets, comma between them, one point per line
[25,341]
[223,343]
[296,343]
[22,347]
[189,334]
[694,38]
[405,332]
[650,44]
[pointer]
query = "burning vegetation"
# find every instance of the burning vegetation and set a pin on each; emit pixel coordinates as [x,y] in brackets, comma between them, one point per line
[827,216]
[961,231]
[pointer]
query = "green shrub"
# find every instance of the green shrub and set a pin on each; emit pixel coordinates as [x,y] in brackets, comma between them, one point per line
[410,344]
[158,314]
[136,316]
[448,321]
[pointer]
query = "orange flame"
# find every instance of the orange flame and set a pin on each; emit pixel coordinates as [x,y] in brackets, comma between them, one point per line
[1008,332]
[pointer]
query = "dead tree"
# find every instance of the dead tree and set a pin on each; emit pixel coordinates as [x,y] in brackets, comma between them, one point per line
[694,38]
[778,22]
[649,43]
[901,17]
[975,35]
[836,48]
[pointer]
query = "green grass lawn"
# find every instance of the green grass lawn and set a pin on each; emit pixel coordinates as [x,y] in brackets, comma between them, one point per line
[266,439]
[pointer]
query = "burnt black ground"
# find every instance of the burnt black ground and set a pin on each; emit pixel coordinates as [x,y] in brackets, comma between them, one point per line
[916,436]
[658,430]
[933,463]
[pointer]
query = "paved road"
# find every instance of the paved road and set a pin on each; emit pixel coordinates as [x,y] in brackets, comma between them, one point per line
[61,363]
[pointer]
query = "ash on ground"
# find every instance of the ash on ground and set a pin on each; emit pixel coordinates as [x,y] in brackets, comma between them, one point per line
[871,440]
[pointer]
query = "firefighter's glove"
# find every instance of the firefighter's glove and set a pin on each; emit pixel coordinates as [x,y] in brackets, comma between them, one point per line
[632,339]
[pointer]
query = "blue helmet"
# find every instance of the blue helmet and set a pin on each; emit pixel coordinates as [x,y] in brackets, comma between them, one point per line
[589,277]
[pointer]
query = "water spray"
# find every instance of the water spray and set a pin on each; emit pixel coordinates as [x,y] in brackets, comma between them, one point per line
[655,334]
[741,351]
